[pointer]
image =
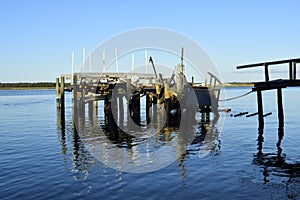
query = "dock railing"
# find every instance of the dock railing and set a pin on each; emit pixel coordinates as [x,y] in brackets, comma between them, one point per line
[292,67]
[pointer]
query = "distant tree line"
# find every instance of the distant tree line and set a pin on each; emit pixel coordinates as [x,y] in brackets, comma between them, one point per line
[29,85]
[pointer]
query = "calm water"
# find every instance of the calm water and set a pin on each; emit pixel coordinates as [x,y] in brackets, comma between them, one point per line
[42,160]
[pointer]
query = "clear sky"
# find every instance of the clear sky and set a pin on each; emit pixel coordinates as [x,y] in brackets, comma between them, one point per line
[37,37]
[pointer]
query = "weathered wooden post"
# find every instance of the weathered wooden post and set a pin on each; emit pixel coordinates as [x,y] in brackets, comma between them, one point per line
[266,72]
[75,101]
[154,110]
[62,92]
[137,108]
[260,108]
[57,94]
[295,70]
[128,96]
[74,93]
[291,70]
[280,107]
[148,107]
[106,109]
[95,106]
[90,109]
[121,112]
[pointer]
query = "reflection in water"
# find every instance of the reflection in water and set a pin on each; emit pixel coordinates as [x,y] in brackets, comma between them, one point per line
[201,131]
[275,164]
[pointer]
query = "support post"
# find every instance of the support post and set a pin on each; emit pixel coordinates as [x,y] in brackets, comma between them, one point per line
[295,72]
[266,72]
[62,92]
[106,109]
[280,107]
[260,108]
[148,106]
[291,70]
[121,112]
[95,107]
[57,94]
[91,109]
[128,96]
[138,108]
[75,101]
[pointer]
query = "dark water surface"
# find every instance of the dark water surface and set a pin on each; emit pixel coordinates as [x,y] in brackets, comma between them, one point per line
[42,160]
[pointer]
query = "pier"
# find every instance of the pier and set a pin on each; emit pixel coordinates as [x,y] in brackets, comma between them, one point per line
[277,84]
[121,94]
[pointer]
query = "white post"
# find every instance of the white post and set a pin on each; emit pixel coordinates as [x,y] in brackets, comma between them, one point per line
[117,64]
[83,59]
[146,57]
[132,63]
[90,59]
[103,60]
[73,59]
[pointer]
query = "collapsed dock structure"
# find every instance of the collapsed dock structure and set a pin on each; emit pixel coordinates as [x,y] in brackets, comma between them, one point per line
[122,93]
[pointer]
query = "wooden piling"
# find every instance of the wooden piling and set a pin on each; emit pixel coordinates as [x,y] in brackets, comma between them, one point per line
[295,70]
[62,92]
[75,100]
[121,112]
[280,107]
[148,107]
[91,109]
[95,107]
[260,108]
[57,94]
[291,70]
[106,109]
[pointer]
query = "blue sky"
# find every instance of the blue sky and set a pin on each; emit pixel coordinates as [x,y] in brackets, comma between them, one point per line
[37,37]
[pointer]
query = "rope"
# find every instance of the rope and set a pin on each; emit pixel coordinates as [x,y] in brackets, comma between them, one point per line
[229,99]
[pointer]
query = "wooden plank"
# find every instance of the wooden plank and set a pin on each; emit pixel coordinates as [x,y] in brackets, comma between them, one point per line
[297,60]
[97,75]
[276,84]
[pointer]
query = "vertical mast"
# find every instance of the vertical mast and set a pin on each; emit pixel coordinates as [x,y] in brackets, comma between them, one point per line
[103,60]
[117,63]
[83,59]
[132,63]
[73,58]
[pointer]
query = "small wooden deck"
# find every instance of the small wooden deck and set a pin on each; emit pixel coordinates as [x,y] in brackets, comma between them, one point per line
[277,84]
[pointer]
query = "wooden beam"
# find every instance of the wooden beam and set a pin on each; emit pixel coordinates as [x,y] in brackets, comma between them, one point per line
[297,60]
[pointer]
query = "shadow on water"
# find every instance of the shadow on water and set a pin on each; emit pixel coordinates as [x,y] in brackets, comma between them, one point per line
[276,165]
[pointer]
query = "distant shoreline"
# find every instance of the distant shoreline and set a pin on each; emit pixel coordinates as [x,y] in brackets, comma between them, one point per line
[28,86]
[50,85]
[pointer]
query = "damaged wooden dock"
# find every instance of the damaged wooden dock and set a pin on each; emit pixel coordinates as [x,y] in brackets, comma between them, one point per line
[114,88]
[277,84]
